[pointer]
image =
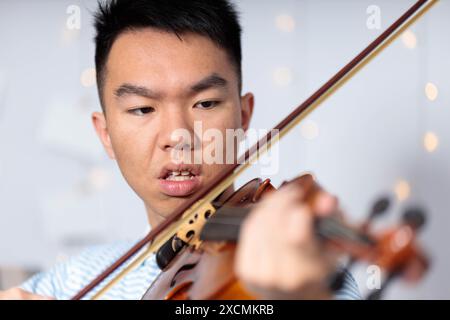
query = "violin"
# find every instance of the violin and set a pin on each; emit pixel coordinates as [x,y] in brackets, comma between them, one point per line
[207,273]
[195,245]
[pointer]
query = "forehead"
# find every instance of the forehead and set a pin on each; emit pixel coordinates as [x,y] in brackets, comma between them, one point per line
[152,57]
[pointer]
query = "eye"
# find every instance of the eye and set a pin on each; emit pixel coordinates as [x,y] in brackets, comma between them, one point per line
[141,111]
[207,104]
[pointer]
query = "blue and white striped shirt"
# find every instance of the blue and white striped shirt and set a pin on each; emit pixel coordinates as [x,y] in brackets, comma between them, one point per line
[67,278]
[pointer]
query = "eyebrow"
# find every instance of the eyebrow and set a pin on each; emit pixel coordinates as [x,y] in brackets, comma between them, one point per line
[131,89]
[209,82]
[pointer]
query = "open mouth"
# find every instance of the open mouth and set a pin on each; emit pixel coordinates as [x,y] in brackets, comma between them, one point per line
[179,176]
[179,181]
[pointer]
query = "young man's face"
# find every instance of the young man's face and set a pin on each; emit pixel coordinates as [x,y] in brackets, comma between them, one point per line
[155,84]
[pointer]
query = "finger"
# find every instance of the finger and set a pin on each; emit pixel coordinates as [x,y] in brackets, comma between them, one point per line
[19,294]
[293,190]
[325,204]
[280,201]
[299,225]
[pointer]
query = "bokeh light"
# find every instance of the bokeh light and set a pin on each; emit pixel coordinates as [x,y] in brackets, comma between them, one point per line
[409,39]
[431,91]
[285,22]
[402,190]
[88,77]
[310,130]
[282,76]
[430,141]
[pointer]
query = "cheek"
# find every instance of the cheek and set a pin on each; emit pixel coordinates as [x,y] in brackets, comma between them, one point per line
[227,118]
[225,124]
[132,146]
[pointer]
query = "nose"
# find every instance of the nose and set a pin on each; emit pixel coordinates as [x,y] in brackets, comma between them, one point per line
[176,131]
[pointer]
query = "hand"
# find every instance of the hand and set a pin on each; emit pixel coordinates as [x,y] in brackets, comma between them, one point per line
[19,294]
[278,255]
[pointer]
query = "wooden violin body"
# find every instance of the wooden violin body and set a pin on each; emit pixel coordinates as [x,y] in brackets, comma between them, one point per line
[208,273]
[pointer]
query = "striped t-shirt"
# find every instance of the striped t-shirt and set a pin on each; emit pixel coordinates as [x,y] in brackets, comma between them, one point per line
[67,278]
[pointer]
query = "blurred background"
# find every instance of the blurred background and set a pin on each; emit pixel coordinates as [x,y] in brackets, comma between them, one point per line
[386,132]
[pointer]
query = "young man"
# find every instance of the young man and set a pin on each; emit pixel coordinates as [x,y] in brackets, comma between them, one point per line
[163,65]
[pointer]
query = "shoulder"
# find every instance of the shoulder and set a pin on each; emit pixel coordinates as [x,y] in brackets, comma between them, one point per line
[101,254]
[67,277]
[349,289]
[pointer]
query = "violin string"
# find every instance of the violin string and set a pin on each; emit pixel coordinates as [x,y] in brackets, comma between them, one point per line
[328,228]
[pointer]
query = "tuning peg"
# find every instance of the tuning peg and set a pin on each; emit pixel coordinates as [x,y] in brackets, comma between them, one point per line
[415,217]
[379,207]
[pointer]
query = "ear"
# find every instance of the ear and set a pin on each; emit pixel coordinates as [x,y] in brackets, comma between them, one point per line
[247,104]
[99,121]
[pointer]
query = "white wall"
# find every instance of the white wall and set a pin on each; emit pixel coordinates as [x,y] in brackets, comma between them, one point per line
[58,192]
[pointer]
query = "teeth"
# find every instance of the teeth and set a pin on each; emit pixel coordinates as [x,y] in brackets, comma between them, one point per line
[179,178]
[179,175]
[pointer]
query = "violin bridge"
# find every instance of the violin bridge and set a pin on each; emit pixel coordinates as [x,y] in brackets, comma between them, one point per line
[190,231]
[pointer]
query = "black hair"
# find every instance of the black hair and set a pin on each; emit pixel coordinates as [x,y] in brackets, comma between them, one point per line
[215,19]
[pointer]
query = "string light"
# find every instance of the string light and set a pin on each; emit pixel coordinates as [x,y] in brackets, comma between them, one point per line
[285,23]
[409,39]
[402,190]
[430,141]
[431,91]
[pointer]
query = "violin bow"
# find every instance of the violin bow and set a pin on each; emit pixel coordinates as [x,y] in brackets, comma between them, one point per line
[166,229]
